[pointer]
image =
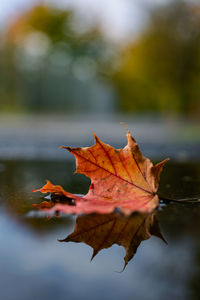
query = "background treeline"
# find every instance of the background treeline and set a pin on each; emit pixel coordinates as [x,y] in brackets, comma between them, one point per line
[47,64]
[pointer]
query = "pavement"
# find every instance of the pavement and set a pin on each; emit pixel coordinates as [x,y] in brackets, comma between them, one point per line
[40,136]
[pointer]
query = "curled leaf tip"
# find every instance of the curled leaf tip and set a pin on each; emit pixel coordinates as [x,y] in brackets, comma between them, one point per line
[165,160]
[66,147]
[95,137]
[161,164]
[61,240]
[95,252]
[124,267]
[128,131]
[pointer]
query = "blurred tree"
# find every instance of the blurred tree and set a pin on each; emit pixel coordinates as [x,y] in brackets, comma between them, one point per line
[161,70]
[47,64]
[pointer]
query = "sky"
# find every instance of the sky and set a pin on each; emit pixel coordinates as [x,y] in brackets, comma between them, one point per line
[117,18]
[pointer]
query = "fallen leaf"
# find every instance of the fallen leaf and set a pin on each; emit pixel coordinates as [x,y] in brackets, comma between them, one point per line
[120,178]
[102,231]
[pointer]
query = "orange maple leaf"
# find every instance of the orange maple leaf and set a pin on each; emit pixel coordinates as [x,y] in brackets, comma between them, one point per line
[120,178]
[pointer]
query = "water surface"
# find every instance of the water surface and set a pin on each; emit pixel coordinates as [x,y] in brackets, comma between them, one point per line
[35,265]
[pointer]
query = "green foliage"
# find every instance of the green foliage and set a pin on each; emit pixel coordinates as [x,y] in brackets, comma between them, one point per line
[161,70]
[49,65]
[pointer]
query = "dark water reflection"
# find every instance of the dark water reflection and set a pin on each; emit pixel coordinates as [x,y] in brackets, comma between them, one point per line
[35,265]
[103,231]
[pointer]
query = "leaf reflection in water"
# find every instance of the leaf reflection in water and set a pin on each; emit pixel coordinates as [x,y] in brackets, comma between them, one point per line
[102,231]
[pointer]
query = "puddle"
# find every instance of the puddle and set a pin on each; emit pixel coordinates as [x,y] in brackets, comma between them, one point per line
[34,264]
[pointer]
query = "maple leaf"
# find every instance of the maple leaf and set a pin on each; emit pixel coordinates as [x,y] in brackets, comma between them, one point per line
[120,178]
[102,231]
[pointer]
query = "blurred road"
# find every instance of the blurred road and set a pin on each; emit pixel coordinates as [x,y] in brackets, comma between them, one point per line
[39,137]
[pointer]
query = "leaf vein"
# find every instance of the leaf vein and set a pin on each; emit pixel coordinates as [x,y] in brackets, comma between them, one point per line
[139,187]
[108,156]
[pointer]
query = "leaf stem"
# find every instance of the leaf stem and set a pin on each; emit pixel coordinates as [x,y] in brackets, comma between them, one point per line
[187,200]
